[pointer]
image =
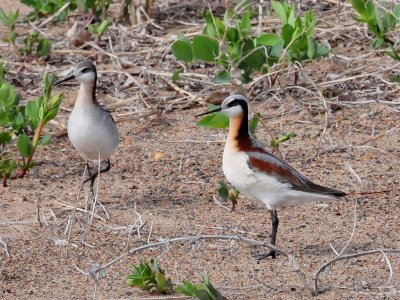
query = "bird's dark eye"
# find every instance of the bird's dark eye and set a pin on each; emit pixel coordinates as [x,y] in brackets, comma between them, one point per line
[233,103]
[84,70]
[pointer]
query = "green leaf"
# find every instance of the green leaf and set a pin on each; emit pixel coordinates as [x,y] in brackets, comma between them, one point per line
[276,51]
[51,114]
[187,288]
[280,11]
[43,47]
[312,48]
[220,26]
[268,39]
[24,145]
[365,8]
[32,112]
[8,95]
[176,75]
[286,137]
[18,119]
[215,120]
[149,276]
[396,10]
[56,100]
[253,59]
[378,42]
[254,123]
[273,143]
[205,48]
[232,35]
[1,71]
[214,26]
[245,24]
[210,30]
[5,137]
[287,34]
[7,165]
[45,139]
[223,77]
[182,49]
[223,190]
[4,120]
[103,27]
[322,50]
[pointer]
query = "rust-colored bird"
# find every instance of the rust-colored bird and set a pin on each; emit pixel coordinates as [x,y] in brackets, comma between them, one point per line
[261,176]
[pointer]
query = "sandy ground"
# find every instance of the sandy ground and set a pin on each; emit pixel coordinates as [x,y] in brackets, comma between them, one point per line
[167,171]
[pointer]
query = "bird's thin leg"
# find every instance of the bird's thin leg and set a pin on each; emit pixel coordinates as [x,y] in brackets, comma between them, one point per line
[275,223]
[92,177]
[88,168]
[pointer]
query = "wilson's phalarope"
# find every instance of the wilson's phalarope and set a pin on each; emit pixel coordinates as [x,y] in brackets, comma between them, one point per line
[258,174]
[91,129]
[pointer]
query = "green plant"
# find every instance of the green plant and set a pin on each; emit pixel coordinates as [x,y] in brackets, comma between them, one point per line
[381,21]
[1,71]
[38,113]
[98,30]
[297,33]
[98,7]
[42,8]
[228,194]
[21,121]
[9,20]
[229,43]
[148,277]
[275,143]
[33,41]
[202,291]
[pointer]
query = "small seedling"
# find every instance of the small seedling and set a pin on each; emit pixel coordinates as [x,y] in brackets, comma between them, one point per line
[9,20]
[275,143]
[202,291]
[38,113]
[7,165]
[228,194]
[21,121]
[381,21]
[99,30]
[33,41]
[149,277]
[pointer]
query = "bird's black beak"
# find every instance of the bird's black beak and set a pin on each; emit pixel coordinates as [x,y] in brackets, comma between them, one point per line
[69,77]
[210,112]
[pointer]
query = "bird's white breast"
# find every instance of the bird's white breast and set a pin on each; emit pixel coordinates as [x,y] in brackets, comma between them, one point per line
[236,168]
[92,132]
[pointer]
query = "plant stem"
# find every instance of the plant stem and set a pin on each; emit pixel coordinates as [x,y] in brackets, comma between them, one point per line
[5,180]
[35,142]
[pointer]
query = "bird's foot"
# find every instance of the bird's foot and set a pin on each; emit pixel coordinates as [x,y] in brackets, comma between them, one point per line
[265,255]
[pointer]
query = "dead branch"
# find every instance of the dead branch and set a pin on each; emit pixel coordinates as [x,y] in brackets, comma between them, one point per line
[193,239]
[5,246]
[344,257]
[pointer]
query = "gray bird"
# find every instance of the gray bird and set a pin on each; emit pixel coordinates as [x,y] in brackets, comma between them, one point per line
[91,128]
